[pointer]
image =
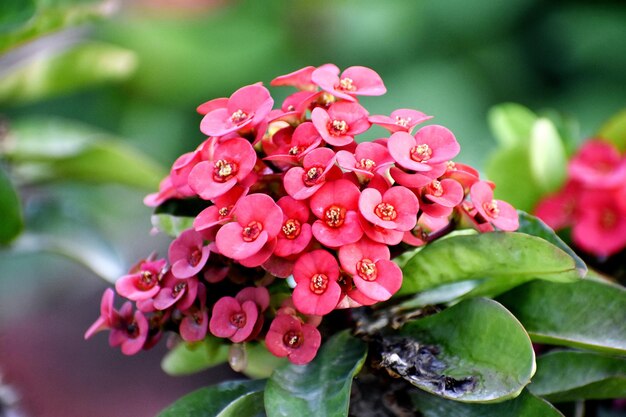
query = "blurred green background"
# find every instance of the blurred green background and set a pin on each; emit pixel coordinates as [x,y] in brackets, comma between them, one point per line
[97,99]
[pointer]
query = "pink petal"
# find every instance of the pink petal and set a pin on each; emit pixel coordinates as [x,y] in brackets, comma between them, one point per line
[387,283]
[366,80]
[305,353]
[309,303]
[230,242]
[349,232]
[194,329]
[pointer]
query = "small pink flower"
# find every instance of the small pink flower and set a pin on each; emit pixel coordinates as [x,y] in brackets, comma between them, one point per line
[367,159]
[598,164]
[317,291]
[317,167]
[431,145]
[233,319]
[294,107]
[558,210]
[497,212]
[230,164]
[354,81]
[174,291]
[419,179]
[599,226]
[246,108]
[289,337]
[195,323]
[340,123]
[372,271]
[259,221]
[129,330]
[187,254]
[208,221]
[108,315]
[336,206]
[304,139]
[395,210]
[142,283]
[380,234]
[295,233]
[401,120]
[300,79]
[447,192]
[464,174]
[166,191]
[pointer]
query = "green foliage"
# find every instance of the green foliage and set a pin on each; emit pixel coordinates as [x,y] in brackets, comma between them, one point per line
[45,149]
[10,210]
[614,130]
[320,388]
[14,13]
[188,358]
[511,124]
[502,260]
[525,405]
[571,376]
[171,225]
[548,161]
[228,399]
[586,314]
[478,338]
[45,74]
[260,363]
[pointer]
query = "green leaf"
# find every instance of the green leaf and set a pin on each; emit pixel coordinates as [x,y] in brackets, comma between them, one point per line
[572,376]
[525,405]
[14,13]
[320,388]
[228,399]
[511,124]
[505,167]
[48,149]
[189,358]
[10,210]
[477,338]
[260,363]
[548,160]
[586,314]
[614,130]
[534,226]
[171,225]
[46,75]
[502,260]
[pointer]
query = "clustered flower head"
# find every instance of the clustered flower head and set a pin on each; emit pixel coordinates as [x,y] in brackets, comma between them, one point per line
[592,201]
[299,218]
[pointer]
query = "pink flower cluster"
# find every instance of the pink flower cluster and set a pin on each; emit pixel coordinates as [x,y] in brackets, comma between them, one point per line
[289,193]
[593,200]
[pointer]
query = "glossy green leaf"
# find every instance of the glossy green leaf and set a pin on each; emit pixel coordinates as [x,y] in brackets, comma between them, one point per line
[532,225]
[479,339]
[501,259]
[228,399]
[47,75]
[320,388]
[188,358]
[587,314]
[511,124]
[548,160]
[571,376]
[505,167]
[614,130]
[45,149]
[171,225]
[14,13]
[525,405]
[10,210]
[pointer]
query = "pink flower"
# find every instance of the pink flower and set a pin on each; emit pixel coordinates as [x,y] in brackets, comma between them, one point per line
[464,174]
[295,233]
[352,82]
[367,159]
[497,212]
[207,222]
[372,271]
[108,315]
[558,210]
[258,222]
[317,291]
[599,226]
[317,167]
[419,179]
[166,192]
[142,283]
[300,79]
[230,163]
[187,254]
[340,123]
[395,210]
[232,319]
[194,325]
[598,164]
[430,146]
[401,120]
[289,337]
[130,330]
[174,291]
[439,198]
[336,207]
[246,108]
[305,138]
